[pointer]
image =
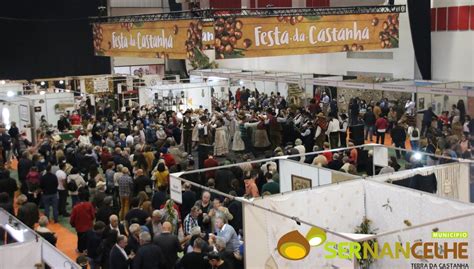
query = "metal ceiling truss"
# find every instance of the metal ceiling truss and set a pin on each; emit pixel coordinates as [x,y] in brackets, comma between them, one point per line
[210,14]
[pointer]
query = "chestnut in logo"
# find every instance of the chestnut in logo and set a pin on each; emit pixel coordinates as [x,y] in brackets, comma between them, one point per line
[247,43]
[375,21]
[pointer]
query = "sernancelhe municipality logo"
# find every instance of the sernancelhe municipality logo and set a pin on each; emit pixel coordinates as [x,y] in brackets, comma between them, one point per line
[294,246]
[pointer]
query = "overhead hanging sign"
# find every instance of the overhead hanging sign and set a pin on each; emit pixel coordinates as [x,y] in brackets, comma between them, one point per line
[293,35]
[239,37]
[159,39]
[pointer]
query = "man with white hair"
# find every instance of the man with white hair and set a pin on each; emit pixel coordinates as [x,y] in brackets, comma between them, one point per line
[115,225]
[154,226]
[148,255]
[227,233]
[133,238]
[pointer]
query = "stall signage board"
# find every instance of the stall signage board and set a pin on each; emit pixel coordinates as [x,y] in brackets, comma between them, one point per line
[322,82]
[394,88]
[356,85]
[176,190]
[101,85]
[445,91]
[296,35]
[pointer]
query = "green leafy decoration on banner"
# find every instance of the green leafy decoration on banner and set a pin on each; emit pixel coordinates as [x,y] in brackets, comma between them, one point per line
[236,53]
[99,53]
[313,18]
[201,61]
[394,42]
[138,24]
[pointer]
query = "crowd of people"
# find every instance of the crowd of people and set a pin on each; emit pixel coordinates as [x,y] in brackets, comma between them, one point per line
[115,171]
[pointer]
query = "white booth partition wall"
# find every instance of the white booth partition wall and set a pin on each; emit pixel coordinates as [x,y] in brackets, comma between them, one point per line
[393,209]
[181,96]
[440,98]
[292,173]
[452,179]
[16,109]
[391,215]
[13,255]
[52,105]
[21,247]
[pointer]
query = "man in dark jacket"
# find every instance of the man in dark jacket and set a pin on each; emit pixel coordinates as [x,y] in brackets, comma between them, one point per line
[49,185]
[223,179]
[399,137]
[105,211]
[8,185]
[95,244]
[140,182]
[149,256]
[24,165]
[28,212]
[369,121]
[428,116]
[119,259]
[189,199]
[170,245]
[235,208]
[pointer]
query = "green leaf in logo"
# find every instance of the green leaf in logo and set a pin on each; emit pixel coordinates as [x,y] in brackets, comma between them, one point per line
[138,24]
[313,18]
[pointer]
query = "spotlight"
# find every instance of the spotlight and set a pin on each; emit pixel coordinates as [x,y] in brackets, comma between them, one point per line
[417,156]
[316,236]
[10,94]
[61,82]
[293,246]
[2,82]
[241,83]
[42,83]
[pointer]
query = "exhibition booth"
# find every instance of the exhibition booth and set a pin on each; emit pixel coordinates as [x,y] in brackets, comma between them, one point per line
[441,95]
[349,209]
[351,212]
[184,94]
[21,247]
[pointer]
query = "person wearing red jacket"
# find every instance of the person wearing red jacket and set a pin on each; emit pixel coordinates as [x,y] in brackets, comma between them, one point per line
[209,163]
[75,118]
[82,219]
[381,126]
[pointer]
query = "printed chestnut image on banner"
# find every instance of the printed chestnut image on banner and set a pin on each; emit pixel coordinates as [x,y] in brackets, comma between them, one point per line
[292,35]
[160,39]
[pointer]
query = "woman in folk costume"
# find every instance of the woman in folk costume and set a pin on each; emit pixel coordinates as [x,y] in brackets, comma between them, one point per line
[238,143]
[321,127]
[261,136]
[221,142]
